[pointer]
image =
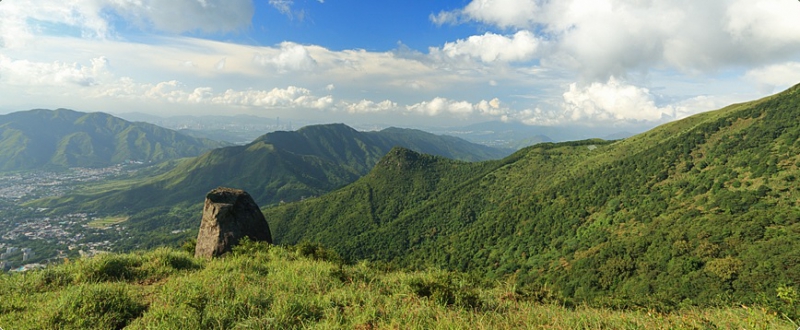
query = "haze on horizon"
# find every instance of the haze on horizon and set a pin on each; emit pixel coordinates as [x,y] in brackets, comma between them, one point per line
[415,63]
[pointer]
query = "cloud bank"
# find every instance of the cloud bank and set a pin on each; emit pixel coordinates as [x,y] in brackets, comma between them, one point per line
[534,61]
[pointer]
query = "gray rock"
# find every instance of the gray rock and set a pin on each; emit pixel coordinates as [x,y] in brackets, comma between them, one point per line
[228,216]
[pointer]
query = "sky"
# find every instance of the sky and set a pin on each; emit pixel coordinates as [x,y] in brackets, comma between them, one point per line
[408,63]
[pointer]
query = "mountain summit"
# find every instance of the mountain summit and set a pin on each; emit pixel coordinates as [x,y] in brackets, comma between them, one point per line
[65,138]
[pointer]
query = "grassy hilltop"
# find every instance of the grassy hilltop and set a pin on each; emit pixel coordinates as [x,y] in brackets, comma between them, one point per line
[272,287]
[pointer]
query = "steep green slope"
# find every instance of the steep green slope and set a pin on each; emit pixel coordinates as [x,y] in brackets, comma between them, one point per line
[699,211]
[65,138]
[278,166]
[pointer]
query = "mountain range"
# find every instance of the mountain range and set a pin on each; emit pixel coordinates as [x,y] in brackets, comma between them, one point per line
[65,138]
[278,166]
[703,210]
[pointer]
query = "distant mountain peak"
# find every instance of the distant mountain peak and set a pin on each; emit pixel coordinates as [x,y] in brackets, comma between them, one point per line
[400,158]
[68,138]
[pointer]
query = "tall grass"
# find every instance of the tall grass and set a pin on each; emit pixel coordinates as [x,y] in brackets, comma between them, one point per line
[268,287]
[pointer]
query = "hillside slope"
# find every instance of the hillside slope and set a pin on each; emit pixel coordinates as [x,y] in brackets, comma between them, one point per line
[65,138]
[278,166]
[699,211]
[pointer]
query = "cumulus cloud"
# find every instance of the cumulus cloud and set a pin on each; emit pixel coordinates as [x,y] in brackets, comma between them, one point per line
[604,38]
[502,13]
[444,106]
[24,72]
[290,57]
[438,106]
[175,92]
[96,81]
[367,106]
[490,47]
[612,101]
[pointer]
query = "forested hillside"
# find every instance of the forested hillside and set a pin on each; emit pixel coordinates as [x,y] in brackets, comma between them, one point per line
[701,211]
[65,138]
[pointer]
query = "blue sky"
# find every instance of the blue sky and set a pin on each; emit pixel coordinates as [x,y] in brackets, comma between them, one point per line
[370,25]
[410,63]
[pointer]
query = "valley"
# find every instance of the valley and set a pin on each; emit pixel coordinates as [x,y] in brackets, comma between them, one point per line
[51,238]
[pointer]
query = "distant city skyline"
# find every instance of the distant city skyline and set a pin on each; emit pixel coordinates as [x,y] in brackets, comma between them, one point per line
[611,63]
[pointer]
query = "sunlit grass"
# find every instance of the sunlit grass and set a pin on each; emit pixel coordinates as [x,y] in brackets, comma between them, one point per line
[263,287]
[106,222]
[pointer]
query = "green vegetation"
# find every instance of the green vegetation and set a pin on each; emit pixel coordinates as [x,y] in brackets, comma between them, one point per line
[107,222]
[271,287]
[278,166]
[698,212]
[63,138]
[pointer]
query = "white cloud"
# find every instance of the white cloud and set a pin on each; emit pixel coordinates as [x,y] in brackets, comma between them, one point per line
[775,76]
[490,47]
[291,97]
[24,72]
[703,103]
[502,13]
[95,81]
[20,21]
[221,64]
[290,57]
[445,17]
[367,106]
[767,25]
[283,6]
[442,106]
[612,101]
[604,38]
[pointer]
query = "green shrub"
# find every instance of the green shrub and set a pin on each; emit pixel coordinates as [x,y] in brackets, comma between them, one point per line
[189,245]
[246,246]
[446,289]
[317,252]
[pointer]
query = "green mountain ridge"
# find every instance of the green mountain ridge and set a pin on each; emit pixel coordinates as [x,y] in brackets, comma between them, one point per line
[278,166]
[698,211]
[65,138]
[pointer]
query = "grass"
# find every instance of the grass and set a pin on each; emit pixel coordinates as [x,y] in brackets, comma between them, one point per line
[270,287]
[106,222]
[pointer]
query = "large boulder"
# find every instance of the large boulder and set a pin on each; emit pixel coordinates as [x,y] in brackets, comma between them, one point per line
[228,216]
